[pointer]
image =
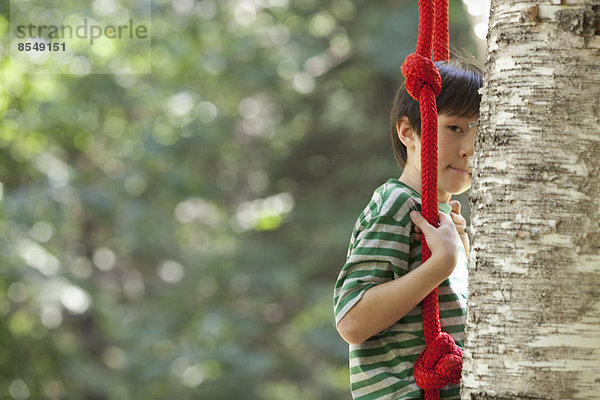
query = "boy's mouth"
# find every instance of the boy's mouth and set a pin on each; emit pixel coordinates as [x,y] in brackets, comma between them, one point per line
[467,172]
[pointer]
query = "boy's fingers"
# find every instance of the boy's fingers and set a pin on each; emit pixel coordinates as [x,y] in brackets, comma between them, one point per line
[445,219]
[420,221]
[457,218]
[459,222]
[455,206]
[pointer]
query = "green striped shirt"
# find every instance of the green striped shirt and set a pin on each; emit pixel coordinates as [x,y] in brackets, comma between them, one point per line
[383,248]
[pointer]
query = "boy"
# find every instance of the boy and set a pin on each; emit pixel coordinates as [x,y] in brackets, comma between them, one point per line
[378,292]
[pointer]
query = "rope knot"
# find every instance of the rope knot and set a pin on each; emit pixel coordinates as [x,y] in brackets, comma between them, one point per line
[440,364]
[418,71]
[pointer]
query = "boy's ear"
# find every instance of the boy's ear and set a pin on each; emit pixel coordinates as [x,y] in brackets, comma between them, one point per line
[405,132]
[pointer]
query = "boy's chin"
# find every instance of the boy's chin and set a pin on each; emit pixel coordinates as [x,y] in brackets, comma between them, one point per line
[457,189]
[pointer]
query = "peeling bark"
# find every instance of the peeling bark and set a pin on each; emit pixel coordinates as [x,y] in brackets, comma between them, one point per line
[533,325]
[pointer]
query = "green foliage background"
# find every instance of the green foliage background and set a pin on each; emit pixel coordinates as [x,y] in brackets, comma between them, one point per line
[177,235]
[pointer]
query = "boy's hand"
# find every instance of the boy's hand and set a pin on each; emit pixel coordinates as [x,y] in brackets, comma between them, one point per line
[442,240]
[459,222]
[461,225]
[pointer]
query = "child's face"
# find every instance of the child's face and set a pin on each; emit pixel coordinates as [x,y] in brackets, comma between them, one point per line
[456,141]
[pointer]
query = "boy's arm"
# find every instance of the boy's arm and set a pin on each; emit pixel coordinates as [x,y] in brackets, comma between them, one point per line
[383,305]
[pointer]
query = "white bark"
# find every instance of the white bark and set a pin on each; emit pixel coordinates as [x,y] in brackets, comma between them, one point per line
[533,326]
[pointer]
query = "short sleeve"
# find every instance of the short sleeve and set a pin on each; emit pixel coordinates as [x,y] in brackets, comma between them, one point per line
[378,254]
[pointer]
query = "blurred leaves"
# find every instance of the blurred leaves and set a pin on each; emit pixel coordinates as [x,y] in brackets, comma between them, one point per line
[177,235]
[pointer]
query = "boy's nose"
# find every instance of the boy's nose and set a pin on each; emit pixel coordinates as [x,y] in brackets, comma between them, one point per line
[467,151]
[467,148]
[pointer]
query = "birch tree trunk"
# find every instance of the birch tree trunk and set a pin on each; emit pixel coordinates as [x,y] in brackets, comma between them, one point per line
[533,326]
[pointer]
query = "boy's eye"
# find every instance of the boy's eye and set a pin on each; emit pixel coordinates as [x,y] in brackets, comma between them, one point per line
[455,128]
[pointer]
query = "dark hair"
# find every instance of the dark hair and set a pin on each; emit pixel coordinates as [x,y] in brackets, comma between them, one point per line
[461,81]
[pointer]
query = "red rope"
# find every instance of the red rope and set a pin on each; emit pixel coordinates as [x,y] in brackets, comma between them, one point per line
[441,362]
